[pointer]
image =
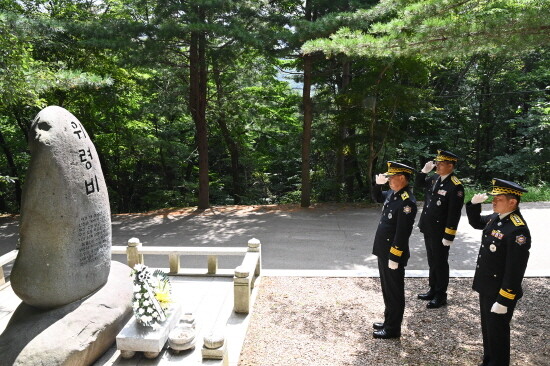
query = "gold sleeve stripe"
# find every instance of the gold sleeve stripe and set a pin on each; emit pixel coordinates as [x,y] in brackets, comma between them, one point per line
[507,294]
[396,251]
[450,231]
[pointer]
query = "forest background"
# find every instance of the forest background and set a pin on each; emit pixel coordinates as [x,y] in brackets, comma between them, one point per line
[212,102]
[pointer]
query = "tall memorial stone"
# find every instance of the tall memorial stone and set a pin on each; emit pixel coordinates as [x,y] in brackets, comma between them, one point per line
[65,230]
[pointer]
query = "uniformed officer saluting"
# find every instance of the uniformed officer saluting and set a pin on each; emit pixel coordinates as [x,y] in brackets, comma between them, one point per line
[500,266]
[439,221]
[391,244]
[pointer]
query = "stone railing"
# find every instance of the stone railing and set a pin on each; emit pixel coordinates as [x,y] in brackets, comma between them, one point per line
[5,259]
[244,275]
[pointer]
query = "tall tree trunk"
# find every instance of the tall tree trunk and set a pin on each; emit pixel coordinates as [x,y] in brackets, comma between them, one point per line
[350,157]
[342,128]
[197,104]
[306,134]
[373,149]
[13,169]
[232,145]
[305,199]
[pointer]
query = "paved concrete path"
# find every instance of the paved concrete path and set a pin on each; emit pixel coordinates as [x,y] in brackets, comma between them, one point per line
[327,237]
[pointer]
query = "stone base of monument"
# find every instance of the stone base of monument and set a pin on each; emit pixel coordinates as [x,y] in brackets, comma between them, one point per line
[74,334]
[135,337]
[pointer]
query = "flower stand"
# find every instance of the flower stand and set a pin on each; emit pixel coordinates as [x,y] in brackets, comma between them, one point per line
[135,337]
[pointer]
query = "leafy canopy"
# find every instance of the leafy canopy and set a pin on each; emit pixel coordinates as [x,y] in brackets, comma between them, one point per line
[440,28]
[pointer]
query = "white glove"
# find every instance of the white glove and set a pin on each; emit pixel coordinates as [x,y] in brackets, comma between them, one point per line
[381,179]
[392,264]
[499,309]
[446,242]
[428,167]
[478,198]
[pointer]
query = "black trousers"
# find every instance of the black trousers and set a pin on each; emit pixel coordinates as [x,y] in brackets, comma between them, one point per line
[495,329]
[438,261]
[393,291]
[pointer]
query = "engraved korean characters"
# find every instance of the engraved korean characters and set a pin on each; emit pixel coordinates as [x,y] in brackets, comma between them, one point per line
[65,231]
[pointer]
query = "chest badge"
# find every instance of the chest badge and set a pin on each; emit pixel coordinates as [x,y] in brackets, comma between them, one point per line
[438,203]
[493,248]
[497,234]
[407,209]
[442,192]
[521,239]
[499,223]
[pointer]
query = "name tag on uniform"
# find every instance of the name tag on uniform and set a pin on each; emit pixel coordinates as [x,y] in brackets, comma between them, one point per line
[442,192]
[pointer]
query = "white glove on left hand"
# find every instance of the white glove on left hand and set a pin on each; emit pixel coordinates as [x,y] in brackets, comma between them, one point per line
[392,264]
[446,242]
[381,179]
[499,309]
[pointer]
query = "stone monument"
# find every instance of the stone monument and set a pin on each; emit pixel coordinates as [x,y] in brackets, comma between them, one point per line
[65,230]
[75,300]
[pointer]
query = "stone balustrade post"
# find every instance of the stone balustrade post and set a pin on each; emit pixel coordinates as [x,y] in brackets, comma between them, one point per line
[132,252]
[2,278]
[254,245]
[174,260]
[212,264]
[241,290]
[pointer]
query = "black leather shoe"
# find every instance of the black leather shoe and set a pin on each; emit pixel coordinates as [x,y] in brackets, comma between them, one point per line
[427,296]
[437,302]
[378,326]
[383,334]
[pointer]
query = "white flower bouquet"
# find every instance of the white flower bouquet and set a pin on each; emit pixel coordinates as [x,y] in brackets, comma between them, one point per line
[152,295]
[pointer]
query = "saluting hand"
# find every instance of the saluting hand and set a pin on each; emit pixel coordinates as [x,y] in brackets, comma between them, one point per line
[499,309]
[381,179]
[392,264]
[478,198]
[428,167]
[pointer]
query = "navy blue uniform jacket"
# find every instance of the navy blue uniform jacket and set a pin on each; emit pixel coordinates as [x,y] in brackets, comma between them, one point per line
[503,254]
[396,224]
[442,206]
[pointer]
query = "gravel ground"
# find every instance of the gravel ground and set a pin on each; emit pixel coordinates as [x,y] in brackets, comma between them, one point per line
[328,322]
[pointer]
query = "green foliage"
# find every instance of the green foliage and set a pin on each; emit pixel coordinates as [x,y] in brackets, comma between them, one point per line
[122,67]
[440,28]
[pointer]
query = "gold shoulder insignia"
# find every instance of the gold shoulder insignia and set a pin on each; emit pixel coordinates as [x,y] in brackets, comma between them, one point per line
[404,195]
[455,180]
[516,220]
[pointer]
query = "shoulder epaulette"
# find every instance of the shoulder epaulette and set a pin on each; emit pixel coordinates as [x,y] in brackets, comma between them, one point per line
[455,180]
[516,220]
[404,196]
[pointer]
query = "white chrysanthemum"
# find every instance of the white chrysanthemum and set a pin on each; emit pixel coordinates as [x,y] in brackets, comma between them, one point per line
[141,311]
[138,296]
[146,295]
[146,303]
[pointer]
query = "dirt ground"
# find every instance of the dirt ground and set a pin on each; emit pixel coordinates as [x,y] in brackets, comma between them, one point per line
[328,322]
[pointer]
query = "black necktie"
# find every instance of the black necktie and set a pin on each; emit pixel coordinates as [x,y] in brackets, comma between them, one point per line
[436,184]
